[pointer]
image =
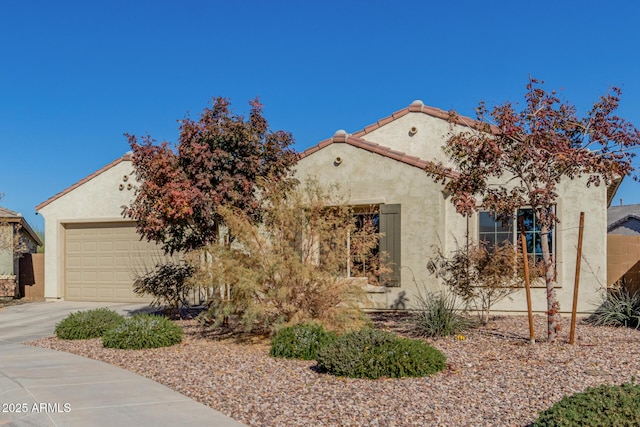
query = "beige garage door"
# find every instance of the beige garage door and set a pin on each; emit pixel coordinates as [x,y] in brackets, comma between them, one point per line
[101,260]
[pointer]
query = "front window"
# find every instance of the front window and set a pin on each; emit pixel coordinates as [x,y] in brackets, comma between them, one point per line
[533,234]
[362,244]
[370,248]
[492,232]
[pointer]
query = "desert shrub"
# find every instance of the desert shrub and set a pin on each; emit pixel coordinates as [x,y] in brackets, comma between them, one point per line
[603,406]
[371,353]
[300,341]
[482,276]
[438,316]
[619,308]
[143,331]
[291,267]
[167,284]
[87,324]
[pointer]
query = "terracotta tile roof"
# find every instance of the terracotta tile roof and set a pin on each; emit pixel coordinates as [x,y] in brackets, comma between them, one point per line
[342,137]
[356,139]
[419,107]
[126,157]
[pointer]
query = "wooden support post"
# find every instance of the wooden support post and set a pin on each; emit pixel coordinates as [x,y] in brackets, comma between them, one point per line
[572,335]
[525,256]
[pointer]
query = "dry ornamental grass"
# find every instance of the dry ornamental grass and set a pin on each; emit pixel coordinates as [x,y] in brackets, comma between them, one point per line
[494,377]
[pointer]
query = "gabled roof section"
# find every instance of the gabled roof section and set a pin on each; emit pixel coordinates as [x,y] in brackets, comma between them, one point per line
[11,217]
[418,106]
[125,158]
[342,137]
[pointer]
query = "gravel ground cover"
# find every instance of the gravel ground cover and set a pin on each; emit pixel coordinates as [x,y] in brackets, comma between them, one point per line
[494,377]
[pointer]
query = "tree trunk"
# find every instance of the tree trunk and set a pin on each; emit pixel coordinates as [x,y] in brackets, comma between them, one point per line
[553,326]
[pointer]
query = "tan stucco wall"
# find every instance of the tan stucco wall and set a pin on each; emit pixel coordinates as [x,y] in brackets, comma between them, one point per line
[365,178]
[97,200]
[425,143]
[575,197]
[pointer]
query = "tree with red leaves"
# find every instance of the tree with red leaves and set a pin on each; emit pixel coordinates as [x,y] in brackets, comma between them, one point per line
[511,159]
[221,159]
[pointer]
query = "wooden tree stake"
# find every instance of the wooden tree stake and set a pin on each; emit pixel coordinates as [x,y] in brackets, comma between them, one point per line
[523,238]
[572,338]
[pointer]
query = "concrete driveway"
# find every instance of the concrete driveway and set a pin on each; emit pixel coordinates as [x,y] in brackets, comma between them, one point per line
[41,387]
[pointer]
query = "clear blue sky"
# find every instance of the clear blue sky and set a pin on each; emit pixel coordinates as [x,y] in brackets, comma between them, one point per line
[76,75]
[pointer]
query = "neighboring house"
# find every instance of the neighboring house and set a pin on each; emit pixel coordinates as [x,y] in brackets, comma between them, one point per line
[623,241]
[17,238]
[624,220]
[92,252]
[380,168]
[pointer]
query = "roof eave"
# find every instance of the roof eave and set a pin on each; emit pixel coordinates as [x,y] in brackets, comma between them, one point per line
[612,189]
[67,190]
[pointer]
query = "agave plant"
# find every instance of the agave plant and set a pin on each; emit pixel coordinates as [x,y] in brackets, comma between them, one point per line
[620,308]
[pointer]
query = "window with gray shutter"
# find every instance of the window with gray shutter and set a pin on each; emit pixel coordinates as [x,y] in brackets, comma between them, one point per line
[390,242]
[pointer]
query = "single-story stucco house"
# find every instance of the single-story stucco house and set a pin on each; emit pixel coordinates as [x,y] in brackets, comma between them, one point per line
[91,250]
[382,166]
[17,239]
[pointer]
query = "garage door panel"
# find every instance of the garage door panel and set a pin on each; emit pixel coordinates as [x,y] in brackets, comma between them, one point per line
[106,261]
[106,294]
[105,276]
[74,292]
[89,246]
[74,276]
[73,261]
[105,246]
[100,261]
[123,246]
[88,261]
[74,246]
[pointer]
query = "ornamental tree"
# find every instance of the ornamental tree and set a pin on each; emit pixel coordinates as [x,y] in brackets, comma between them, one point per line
[509,159]
[219,160]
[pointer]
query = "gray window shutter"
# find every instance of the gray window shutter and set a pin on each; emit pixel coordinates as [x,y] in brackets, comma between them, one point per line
[390,242]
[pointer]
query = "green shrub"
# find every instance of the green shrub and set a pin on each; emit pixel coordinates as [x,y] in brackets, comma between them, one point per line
[620,308]
[87,324]
[300,341]
[143,331]
[371,353]
[437,316]
[606,405]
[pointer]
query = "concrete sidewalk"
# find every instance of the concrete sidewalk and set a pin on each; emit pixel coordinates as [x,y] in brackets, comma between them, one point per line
[41,387]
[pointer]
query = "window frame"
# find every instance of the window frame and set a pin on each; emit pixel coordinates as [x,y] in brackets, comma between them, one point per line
[498,228]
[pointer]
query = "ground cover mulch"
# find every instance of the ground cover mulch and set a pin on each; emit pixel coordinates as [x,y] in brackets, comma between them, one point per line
[494,377]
